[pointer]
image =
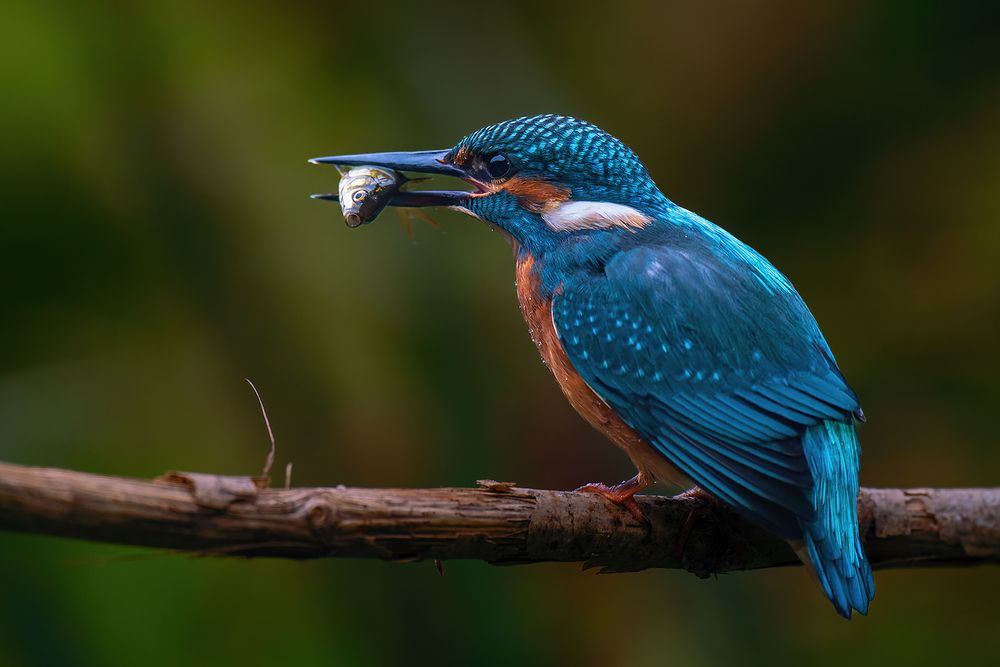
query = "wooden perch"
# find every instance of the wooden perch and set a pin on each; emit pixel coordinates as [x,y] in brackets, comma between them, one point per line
[498,522]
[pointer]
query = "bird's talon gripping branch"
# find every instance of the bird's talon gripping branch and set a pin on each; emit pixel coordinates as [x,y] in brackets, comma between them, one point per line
[622,494]
[698,493]
[694,493]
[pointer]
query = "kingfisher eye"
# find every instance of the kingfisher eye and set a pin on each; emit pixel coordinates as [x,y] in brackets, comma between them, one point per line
[498,166]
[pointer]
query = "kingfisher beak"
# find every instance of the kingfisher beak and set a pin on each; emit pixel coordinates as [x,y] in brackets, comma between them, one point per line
[424,162]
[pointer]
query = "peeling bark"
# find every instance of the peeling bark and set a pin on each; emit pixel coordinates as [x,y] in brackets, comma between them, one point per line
[497,522]
[922,527]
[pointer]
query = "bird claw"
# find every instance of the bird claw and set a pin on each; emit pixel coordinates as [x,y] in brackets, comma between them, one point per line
[694,493]
[621,494]
[697,493]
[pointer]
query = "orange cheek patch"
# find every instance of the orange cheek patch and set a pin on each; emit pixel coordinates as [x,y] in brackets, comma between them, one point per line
[462,157]
[536,194]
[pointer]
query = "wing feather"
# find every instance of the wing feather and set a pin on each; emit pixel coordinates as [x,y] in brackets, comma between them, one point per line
[720,374]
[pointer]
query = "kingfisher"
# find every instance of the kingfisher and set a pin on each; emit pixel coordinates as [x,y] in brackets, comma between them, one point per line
[683,345]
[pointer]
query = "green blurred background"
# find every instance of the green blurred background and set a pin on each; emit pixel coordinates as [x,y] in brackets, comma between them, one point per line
[158,246]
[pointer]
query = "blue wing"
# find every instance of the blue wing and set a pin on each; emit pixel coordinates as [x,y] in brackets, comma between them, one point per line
[722,372]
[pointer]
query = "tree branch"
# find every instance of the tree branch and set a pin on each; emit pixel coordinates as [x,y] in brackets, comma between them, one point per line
[497,522]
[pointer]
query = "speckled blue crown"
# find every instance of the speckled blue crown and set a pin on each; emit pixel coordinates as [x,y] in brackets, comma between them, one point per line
[562,146]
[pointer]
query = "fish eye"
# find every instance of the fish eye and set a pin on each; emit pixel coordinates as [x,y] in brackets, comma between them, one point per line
[358,196]
[498,165]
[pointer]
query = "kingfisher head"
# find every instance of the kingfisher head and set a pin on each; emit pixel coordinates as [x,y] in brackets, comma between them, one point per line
[539,179]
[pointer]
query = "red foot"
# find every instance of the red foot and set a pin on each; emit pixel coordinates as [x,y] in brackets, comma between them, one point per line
[694,493]
[698,493]
[621,494]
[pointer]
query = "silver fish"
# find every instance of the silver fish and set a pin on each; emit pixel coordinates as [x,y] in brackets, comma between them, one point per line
[365,191]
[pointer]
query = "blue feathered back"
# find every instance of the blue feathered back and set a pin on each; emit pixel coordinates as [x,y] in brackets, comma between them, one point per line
[707,351]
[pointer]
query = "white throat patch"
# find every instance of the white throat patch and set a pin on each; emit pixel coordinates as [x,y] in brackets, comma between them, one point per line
[578,215]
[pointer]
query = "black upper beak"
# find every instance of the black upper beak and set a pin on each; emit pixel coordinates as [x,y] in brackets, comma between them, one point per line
[425,162]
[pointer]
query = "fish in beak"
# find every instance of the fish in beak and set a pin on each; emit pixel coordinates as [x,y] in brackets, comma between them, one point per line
[369,202]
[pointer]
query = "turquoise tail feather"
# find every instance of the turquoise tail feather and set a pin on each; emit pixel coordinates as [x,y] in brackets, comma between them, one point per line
[831,538]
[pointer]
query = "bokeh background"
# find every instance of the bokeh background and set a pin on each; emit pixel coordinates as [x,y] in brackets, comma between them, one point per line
[158,245]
